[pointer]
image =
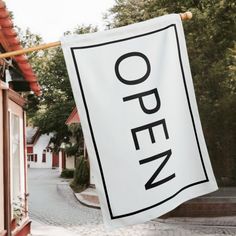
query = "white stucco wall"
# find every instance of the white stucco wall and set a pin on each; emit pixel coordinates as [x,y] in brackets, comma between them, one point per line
[70,162]
[70,165]
[60,161]
[39,146]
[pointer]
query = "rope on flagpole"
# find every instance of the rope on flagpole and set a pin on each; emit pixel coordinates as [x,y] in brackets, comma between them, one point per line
[184,16]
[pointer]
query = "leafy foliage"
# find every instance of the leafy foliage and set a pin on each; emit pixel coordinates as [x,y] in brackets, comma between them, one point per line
[210,37]
[75,146]
[56,101]
[81,176]
[18,210]
[67,173]
[50,111]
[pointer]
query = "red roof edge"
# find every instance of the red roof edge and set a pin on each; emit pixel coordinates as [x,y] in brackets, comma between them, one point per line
[12,43]
[73,117]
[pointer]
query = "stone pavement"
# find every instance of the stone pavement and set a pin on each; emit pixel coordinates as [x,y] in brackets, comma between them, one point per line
[218,203]
[52,202]
[55,211]
[40,229]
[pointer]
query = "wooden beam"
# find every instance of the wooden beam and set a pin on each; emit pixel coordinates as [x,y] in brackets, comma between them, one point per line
[33,49]
[6,164]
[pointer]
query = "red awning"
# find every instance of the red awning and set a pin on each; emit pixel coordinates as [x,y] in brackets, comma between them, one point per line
[10,42]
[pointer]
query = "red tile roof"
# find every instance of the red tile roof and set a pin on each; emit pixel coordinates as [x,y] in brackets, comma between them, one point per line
[32,134]
[73,117]
[10,42]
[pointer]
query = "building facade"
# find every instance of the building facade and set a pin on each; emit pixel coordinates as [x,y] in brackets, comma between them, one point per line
[39,153]
[16,78]
[69,162]
[66,161]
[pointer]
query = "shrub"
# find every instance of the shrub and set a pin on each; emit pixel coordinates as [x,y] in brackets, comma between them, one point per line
[67,173]
[81,176]
[77,188]
[72,150]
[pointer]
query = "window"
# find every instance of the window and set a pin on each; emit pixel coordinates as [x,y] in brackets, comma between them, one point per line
[44,156]
[32,157]
[15,152]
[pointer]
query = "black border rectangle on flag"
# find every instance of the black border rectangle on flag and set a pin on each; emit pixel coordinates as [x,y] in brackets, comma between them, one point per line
[134,94]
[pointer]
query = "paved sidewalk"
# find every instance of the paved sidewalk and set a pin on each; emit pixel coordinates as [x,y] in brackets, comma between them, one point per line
[218,203]
[183,225]
[56,212]
[40,229]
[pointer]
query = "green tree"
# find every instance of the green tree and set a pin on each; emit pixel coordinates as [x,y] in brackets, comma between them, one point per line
[50,110]
[75,146]
[210,37]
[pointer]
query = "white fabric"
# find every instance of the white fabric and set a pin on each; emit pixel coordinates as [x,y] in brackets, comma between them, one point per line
[147,150]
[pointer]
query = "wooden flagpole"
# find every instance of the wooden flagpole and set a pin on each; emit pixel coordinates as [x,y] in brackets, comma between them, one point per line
[184,16]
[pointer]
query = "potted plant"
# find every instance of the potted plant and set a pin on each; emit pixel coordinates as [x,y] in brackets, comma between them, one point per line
[18,210]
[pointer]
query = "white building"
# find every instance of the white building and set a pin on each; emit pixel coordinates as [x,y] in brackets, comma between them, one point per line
[39,155]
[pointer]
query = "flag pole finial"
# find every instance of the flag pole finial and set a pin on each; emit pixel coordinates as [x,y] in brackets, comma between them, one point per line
[186,15]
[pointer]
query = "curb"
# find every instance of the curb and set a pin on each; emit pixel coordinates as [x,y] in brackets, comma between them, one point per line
[90,205]
[88,198]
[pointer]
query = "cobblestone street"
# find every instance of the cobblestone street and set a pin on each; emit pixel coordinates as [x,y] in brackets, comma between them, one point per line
[55,211]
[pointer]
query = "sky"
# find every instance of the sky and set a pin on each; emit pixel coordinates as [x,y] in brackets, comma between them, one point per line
[51,18]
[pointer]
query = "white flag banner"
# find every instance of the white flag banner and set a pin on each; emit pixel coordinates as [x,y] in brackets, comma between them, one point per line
[135,96]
